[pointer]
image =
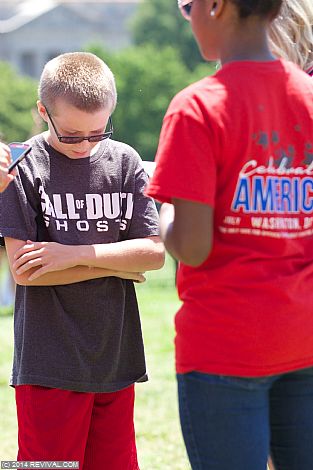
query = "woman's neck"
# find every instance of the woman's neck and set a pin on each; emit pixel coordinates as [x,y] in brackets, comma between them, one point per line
[248,43]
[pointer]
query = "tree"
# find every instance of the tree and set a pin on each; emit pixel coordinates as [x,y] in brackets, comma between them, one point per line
[159,22]
[147,78]
[18,98]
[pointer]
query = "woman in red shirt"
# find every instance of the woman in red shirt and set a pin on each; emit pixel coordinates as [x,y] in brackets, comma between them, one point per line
[234,173]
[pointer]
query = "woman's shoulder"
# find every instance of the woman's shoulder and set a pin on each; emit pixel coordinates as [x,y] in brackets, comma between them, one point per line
[204,93]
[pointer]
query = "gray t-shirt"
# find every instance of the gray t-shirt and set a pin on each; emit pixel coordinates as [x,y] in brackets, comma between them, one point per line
[84,336]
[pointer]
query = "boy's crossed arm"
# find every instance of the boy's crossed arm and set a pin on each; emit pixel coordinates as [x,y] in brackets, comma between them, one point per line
[51,263]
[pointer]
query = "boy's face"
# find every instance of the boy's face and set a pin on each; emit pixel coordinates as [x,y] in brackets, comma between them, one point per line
[71,121]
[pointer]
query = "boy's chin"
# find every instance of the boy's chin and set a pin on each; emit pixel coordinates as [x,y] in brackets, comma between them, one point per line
[74,154]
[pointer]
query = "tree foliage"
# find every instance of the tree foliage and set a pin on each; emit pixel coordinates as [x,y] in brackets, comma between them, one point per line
[18,98]
[159,22]
[147,78]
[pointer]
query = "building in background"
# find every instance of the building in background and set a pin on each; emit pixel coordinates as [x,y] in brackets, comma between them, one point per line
[34,31]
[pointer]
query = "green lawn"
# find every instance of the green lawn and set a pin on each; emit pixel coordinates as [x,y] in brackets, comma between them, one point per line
[159,440]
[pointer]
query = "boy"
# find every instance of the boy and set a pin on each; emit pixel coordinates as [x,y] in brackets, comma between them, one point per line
[78,229]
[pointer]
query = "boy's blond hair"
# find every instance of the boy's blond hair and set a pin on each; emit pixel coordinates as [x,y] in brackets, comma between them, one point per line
[291,33]
[81,79]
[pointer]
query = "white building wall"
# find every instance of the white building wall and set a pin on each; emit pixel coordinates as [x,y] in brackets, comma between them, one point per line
[62,29]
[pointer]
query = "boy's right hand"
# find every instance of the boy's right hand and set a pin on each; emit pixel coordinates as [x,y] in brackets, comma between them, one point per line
[5,160]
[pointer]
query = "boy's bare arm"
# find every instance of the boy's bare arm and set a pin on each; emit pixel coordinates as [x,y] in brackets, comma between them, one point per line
[61,277]
[138,255]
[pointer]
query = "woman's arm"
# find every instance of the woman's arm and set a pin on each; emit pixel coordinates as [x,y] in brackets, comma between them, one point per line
[187,230]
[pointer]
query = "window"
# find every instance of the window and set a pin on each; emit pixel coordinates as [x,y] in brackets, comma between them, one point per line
[28,63]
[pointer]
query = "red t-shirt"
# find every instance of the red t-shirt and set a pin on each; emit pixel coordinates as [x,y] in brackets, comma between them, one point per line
[242,142]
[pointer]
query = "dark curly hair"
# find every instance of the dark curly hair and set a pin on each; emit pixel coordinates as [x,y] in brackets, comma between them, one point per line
[261,8]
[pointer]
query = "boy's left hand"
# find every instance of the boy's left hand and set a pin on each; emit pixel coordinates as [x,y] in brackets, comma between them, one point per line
[47,256]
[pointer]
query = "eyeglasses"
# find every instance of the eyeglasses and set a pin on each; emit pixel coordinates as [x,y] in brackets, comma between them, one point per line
[78,139]
[185,8]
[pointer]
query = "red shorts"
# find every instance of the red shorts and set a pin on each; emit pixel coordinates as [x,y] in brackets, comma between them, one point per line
[97,429]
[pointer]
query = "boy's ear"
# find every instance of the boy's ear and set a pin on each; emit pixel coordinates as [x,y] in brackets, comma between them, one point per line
[42,111]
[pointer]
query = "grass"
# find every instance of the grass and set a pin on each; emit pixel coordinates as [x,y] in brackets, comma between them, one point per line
[159,440]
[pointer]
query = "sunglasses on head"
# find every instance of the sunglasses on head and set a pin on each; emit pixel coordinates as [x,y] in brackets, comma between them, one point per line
[185,8]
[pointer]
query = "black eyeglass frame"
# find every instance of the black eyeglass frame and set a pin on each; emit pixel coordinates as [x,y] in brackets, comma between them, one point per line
[78,139]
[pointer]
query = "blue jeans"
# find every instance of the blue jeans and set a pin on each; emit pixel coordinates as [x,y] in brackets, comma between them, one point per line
[233,423]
